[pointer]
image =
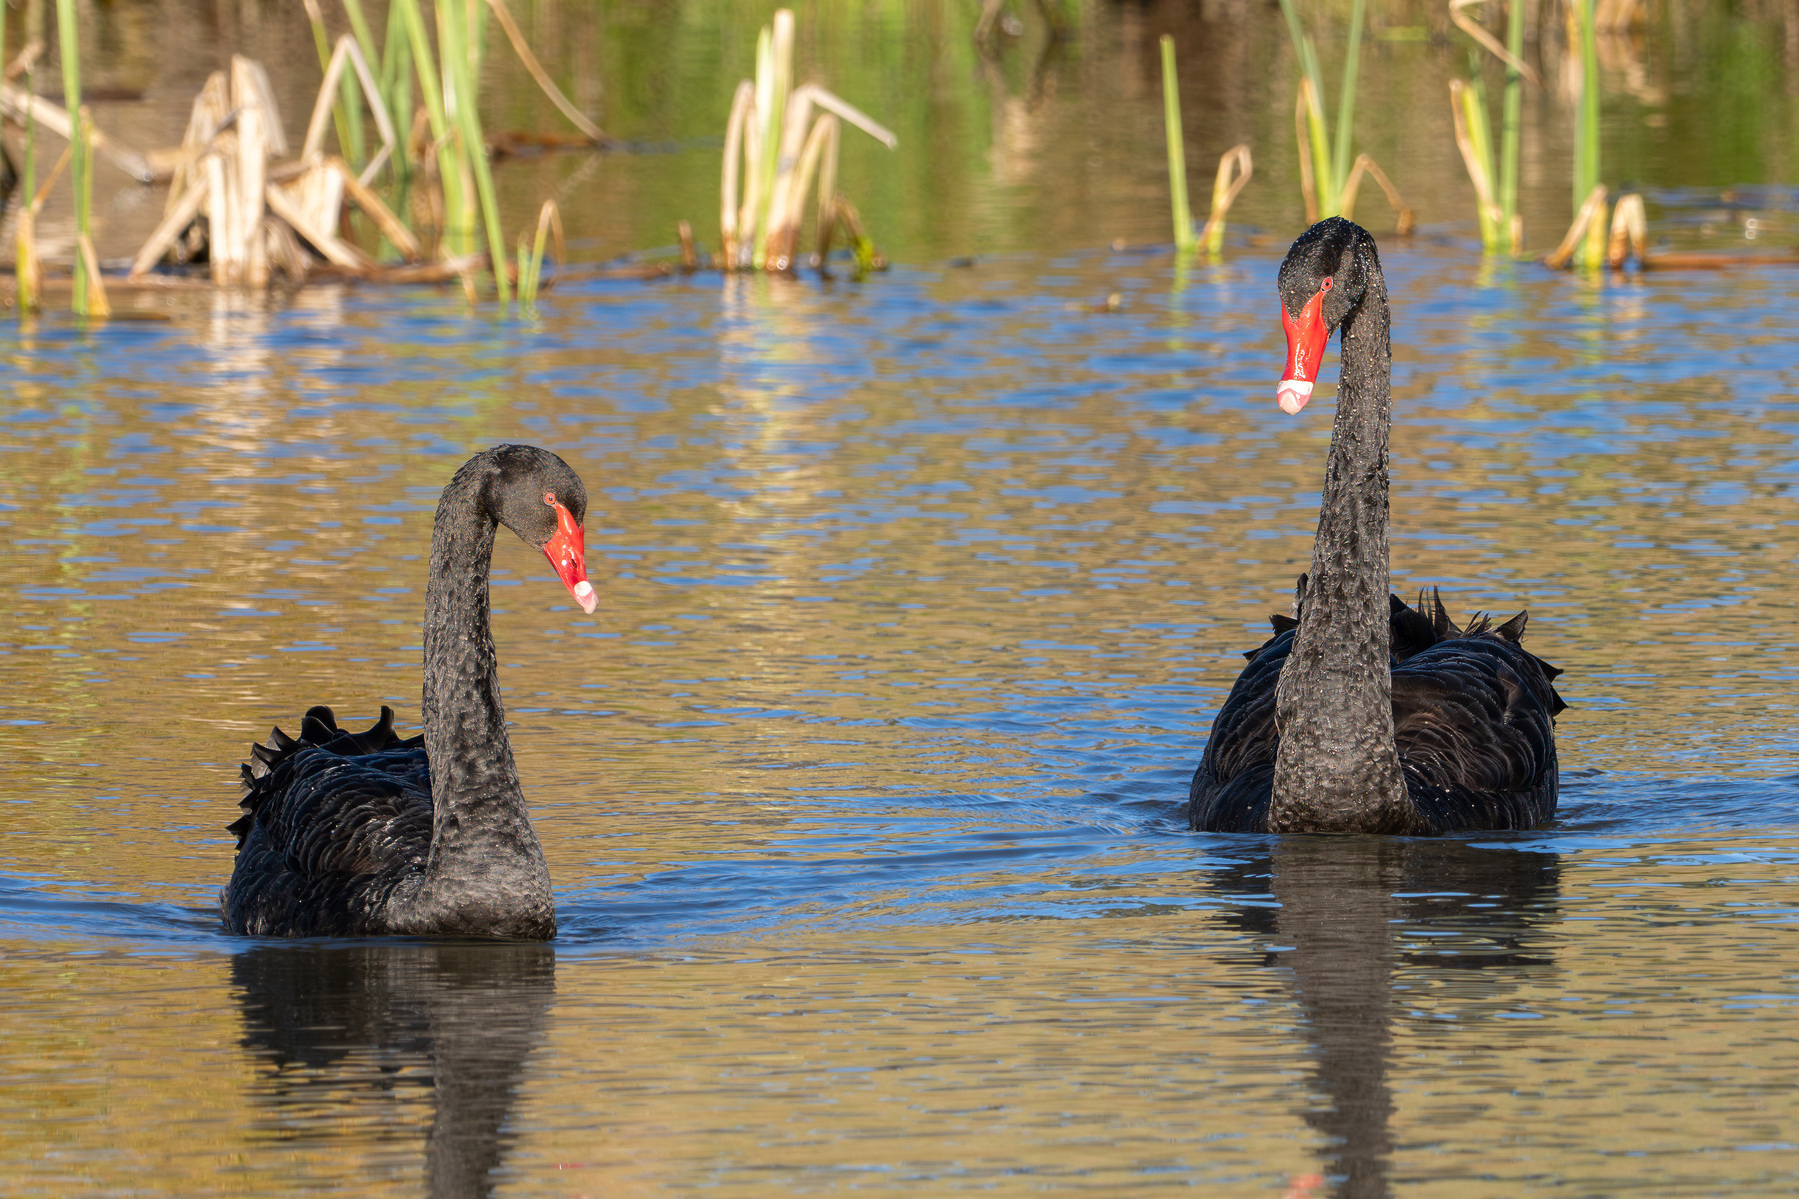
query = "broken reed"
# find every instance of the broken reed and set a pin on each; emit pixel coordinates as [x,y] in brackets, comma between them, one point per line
[1234,170]
[1495,184]
[1324,190]
[775,152]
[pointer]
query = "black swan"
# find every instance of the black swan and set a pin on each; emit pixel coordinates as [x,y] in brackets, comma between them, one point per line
[1365,715]
[363,834]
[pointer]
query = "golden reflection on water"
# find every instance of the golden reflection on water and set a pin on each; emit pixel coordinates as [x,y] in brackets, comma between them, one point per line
[861,789]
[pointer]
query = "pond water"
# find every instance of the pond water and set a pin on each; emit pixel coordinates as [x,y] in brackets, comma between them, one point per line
[863,789]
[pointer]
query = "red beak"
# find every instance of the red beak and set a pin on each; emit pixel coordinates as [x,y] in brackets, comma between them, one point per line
[1306,339]
[568,555]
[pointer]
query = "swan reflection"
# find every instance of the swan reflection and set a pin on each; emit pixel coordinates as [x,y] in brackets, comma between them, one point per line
[1347,914]
[348,1037]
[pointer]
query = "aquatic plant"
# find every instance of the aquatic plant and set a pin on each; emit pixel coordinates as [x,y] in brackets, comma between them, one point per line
[80,168]
[1177,151]
[1495,184]
[1328,177]
[1234,170]
[776,151]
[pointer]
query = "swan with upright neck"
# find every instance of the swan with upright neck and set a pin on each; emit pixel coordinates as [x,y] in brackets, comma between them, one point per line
[1363,714]
[365,834]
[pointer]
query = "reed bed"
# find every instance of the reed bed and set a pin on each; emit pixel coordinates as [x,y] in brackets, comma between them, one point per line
[254,215]
[1495,182]
[775,153]
[1329,178]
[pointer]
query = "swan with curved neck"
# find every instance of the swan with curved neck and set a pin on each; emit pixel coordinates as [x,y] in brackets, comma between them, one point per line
[1363,714]
[363,834]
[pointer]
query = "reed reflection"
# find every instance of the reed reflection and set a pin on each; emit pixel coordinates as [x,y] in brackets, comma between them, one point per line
[350,1036]
[1354,917]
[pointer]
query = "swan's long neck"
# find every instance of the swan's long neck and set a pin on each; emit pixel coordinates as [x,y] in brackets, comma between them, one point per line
[486,871]
[1337,769]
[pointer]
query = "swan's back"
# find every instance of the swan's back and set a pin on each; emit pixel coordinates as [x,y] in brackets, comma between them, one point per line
[333,821]
[1473,720]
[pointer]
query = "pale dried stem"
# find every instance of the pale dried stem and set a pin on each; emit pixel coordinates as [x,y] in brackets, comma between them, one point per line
[96,287]
[349,54]
[1234,170]
[180,215]
[743,115]
[1630,230]
[1560,256]
[523,49]
[22,105]
[1477,170]
[1404,217]
[1308,186]
[337,252]
[827,187]
[391,226]
[1491,44]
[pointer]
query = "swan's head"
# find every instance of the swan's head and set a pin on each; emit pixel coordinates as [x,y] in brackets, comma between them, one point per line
[1323,278]
[537,496]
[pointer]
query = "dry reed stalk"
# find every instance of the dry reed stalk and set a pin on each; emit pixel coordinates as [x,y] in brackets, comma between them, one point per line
[789,211]
[390,225]
[690,258]
[523,50]
[827,190]
[349,53]
[1488,41]
[24,61]
[743,108]
[258,135]
[1472,157]
[1234,170]
[210,114]
[1303,109]
[336,252]
[180,214]
[97,304]
[1630,231]
[22,106]
[1563,253]
[1404,218]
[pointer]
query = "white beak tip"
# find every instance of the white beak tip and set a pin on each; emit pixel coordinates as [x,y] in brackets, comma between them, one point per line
[1293,395]
[585,596]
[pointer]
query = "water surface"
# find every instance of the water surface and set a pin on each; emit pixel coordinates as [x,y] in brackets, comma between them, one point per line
[862,791]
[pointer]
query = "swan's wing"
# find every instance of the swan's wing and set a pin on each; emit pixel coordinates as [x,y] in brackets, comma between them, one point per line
[1474,720]
[328,828]
[1235,778]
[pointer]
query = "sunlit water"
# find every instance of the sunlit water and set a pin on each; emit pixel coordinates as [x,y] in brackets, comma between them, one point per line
[863,790]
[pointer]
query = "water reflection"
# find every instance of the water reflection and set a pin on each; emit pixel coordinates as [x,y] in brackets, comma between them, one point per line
[1363,922]
[352,1037]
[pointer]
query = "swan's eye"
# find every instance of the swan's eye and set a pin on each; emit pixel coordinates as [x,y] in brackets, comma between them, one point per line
[549,497]
[1326,285]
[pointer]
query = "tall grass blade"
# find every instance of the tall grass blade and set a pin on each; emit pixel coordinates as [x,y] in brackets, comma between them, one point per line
[68,33]
[1346,104]
[523,49]
[743,107]
[1184,241]
[1512,137]
[456,37]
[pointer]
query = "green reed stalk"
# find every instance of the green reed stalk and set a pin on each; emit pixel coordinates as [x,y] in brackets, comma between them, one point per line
[1511,136]
[1184,240]
[454,38]
[1586,134]
[1332,158]
[1480,137]
[1346,105]
[449,163]
[396,90]
[774,83]
[346,113]
[80,168]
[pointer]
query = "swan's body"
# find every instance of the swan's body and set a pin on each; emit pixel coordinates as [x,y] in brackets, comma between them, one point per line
[1367,715]
[365,834]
